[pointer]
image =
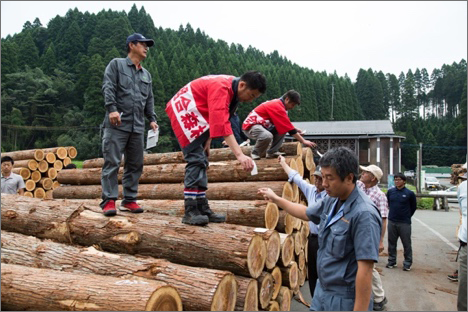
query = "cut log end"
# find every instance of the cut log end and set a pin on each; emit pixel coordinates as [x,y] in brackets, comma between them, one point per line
[274,306]
[256,256]
[72,152]
[251,296]
[293,275]
[25,173]
[58,165]
[52,173]
[273,247]
[55,185]
[165,298]
[39,192]
[36,176]
[43,166]
[66,161]
[284,299]
[278,279]
[308,157]
[300,166]
[39,155]
[49,194]
[51,158]
[266,288]
[30,185]
[28,194]
[61,152]
[288,192]
[225,296]
[287,250]
[271,216]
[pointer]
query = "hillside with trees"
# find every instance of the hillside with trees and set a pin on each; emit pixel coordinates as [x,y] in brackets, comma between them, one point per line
[51,82]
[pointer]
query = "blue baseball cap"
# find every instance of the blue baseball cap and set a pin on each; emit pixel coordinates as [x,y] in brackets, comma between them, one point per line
[140,38]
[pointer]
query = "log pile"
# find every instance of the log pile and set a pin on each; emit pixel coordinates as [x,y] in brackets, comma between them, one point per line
[255,261]
[39,168]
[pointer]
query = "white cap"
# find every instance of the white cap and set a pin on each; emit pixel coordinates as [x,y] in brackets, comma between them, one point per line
[376,171]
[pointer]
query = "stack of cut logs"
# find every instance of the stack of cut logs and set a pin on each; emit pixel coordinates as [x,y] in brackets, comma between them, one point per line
[39,168]
[257,260]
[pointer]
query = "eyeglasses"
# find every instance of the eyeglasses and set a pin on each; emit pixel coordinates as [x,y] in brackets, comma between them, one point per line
[397,179]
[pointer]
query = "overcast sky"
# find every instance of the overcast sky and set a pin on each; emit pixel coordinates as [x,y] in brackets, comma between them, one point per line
[342,36]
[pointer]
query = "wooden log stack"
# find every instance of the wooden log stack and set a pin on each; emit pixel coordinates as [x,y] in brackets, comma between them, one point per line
[257,260]
[39,168]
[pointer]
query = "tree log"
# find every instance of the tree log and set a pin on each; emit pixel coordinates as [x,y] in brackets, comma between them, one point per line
[285,222]
[30,185]
[43,166]
[266,289]
[301,260]
[273,306]
[31,164]
[288,191]
[66,161]
[216,191]
[36,176]
[290,275]
[246,212]
[39,192]
[300,166]
[228,171]
[218,154]
[298,245]
[234,248]
[284,299]
[302,276]
[308,158]
[25,288]
[51,173]
[278,281]
[200,289]
[36,154]
[25,173]
[287,250]
[62,152]
[50,157]
[273,247]
[58,165]
[28,194]
[49,194]
[55,185]
[46,183]
[247,294]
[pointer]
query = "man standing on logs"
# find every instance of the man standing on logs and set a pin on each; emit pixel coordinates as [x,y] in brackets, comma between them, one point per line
[11,183]
[268,124]
[370,177]
[199,112]
[349,235]
[314,194]
[128,96]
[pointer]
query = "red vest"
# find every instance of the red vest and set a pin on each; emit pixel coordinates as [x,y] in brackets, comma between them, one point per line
[201,105]
[268,114]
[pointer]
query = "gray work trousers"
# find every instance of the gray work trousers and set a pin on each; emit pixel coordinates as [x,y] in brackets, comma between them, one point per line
[195,170]
[115,143]
[402,230]
[338,299]
[461,302]
[263,139]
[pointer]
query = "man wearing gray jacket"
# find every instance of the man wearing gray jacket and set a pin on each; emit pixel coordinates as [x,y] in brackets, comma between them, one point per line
[128,97]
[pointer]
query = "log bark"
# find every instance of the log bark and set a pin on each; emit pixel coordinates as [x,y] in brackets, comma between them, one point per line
[36,154]
[290,275]
[284,299]
[247,294]
[266,288]
[234,248]
[246,212]
[278,281]
[25,288]
[227,171]
[215,290]
[25,173]
[216,191]
[287,250]
[218,154]
[31,164]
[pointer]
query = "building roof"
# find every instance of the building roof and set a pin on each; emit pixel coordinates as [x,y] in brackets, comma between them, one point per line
[353,127]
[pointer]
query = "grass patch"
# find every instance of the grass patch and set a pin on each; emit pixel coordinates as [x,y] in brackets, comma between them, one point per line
[78,163]
[421,203]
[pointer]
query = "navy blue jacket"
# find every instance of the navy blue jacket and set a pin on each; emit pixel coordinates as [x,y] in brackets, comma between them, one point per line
[402,205]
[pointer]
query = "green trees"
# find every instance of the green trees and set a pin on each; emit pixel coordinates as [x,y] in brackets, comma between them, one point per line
[52,79]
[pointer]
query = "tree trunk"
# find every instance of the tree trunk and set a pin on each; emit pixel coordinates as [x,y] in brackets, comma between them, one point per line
[290,275]
[308,159]
[36,176]
[272,306]
[247,294]
[36,154]
[30,185]
[218,154]
[216,191]
[301,260]
[43,166]
[266,288]
[25,173]
[248,213]
[273,247]
[215,290]
[25,288]
[284,299]
[50,157]
[31,164]
[227,171]
[58,165]
[278,281]
[234,248]
[46,183]
[287,250]
[62,152]
[285,222]
[39,192]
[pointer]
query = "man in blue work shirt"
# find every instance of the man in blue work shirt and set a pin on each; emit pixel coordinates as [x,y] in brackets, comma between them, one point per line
[402,205]
[313,193]
[349,235]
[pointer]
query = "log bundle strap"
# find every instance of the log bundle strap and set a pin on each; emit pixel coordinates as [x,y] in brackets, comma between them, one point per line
[25,288]
[215,290]
[234,248]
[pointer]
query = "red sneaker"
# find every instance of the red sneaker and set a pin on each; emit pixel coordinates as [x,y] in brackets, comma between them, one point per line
[132,207]
[109,209]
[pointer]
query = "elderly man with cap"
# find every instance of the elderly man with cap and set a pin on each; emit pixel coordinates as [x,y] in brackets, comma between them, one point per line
[370,177]
[314,193]
[128,98]
[402,206]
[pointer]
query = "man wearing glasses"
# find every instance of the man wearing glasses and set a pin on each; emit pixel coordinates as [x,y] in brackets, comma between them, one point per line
[402,205]
[128,97]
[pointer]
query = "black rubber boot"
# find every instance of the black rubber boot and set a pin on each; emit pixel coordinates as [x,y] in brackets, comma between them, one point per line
[204,208]
[192,215]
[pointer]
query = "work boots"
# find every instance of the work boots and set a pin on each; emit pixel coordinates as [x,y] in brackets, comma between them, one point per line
[204,208]
[192,215]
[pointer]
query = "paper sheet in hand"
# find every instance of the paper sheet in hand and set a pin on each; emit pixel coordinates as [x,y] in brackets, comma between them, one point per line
[254,170]
[152,139]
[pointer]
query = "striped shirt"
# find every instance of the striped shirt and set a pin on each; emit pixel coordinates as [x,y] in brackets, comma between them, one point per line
[377,196]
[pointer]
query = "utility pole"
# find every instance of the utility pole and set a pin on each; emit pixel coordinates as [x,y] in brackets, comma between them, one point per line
[333,95]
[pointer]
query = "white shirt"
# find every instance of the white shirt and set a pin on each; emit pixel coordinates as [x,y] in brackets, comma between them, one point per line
[461,195]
